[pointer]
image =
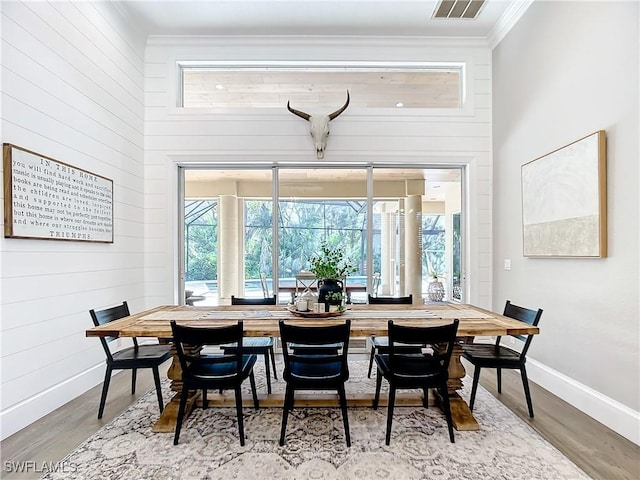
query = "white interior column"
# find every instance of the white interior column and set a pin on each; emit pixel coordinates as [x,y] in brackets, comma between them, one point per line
[387,249]
[402,247]
[240,246]
[228,250]
[413,247]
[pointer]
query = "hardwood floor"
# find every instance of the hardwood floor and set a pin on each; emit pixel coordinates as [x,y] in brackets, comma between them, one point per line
[52,437]
[600,452]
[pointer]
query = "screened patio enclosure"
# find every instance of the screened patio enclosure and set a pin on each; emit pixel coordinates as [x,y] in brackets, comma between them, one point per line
[401,228]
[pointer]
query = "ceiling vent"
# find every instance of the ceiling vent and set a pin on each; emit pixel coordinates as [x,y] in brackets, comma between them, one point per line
[458,8]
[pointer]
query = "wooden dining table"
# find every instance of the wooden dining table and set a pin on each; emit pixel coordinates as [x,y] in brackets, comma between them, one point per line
[366,320]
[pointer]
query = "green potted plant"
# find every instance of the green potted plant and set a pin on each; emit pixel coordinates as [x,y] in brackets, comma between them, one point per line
[330,265]
[336,299]
[330,262]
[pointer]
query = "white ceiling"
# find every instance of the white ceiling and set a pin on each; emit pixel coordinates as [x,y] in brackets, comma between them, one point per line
[312,17]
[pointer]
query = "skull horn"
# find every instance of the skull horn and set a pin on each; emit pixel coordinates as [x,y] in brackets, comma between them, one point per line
[306,116]
[340,110]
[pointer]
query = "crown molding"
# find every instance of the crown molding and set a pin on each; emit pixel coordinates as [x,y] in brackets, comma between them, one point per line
[314,40]
[510,17]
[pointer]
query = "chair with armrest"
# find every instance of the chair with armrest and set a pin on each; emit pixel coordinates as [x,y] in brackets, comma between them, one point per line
[319,371]
[212,371]
[305,282]
[258,345]
[381,344]
[489,355]
[131,358]
[417,370]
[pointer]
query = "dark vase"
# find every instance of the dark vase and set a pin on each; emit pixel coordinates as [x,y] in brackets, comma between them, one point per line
[328,286]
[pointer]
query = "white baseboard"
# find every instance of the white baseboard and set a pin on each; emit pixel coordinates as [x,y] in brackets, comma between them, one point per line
[21,415]
[616,416]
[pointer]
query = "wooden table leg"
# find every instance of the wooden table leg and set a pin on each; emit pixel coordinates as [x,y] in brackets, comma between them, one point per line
[167,421]
[462,417]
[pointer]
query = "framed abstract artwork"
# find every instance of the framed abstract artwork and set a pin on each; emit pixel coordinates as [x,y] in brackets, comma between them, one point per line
[564,201]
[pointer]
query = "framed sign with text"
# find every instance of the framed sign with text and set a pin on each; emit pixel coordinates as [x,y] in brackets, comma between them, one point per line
[48,199]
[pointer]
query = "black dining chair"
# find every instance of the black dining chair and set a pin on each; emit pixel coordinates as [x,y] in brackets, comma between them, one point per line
[379,300]
[494,355]
[272,300]
[315,371]
[258,345]
[381,344]
[131,358]
[422,370]
[212,371]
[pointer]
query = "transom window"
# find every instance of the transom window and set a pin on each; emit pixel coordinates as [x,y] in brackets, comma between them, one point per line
[323,87]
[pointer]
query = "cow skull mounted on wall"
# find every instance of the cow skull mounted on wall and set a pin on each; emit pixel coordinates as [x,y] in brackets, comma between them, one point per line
[319,125]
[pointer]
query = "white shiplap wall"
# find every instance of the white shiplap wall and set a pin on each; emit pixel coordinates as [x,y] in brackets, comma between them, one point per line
[72,89]
[177,136]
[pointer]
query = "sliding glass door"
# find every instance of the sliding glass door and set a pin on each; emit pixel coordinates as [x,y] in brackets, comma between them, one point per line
[400,227]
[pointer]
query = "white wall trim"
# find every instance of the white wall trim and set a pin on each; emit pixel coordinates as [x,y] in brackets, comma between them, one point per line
[24,413]
[613,414]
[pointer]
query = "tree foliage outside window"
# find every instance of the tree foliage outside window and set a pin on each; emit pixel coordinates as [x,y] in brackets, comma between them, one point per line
[201,240]
[258,238]
[303,227]
[433,245]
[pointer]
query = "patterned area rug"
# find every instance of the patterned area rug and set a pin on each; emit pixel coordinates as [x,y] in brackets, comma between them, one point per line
[504,448]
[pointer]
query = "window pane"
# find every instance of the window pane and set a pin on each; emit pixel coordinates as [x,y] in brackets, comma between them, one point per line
[456,254]
[228,233]
[258,248]
[433,242]
[321,205]
[201,232]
